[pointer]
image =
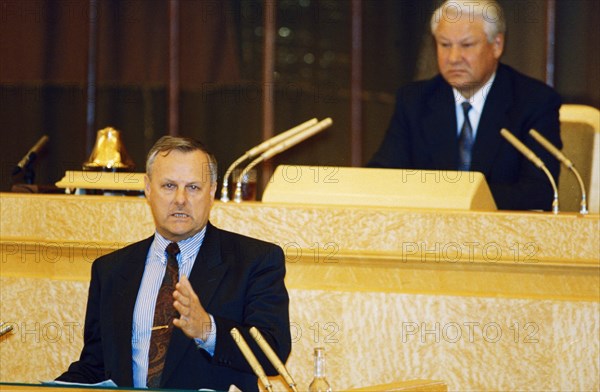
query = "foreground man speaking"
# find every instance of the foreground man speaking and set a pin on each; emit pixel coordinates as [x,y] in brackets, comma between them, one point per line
[160,310]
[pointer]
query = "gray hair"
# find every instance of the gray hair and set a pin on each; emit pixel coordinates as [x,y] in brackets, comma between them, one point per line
[489,11]
[167,144]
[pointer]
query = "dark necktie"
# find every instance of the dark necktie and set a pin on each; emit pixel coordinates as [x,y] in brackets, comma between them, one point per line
[465,141]
[164,313]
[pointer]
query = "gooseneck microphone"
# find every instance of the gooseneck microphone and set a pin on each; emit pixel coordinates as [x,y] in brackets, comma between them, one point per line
[278,148]
[523,149]
[259,149]
[31,155]
[565,161]
[252,361]
[277,364]
[4,329]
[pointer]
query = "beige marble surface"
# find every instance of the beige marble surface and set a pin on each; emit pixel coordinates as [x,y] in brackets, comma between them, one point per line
[522,237]
[471,343]
[384,290]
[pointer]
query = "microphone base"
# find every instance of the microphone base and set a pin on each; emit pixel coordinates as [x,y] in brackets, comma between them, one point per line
[237,197]
[555,209]
[224,199]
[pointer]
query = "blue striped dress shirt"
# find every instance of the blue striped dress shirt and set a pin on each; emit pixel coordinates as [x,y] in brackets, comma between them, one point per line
[143,313]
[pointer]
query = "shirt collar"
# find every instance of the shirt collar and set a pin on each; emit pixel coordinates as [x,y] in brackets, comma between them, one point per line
[477,100]
[188,248]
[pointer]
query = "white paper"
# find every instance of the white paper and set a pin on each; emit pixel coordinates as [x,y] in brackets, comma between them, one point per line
[105,383]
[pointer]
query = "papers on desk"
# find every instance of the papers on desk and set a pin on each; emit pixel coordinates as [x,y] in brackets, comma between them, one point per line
[103,384]
[111,384]
[232,388]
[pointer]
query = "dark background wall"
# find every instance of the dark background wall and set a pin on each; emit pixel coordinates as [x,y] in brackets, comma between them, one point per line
[44,65]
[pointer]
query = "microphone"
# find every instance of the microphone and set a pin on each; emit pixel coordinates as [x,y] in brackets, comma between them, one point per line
[252,361]
[277,364]
[278,148]
[523,149]
[260,148]
[4,329]
[565,161]
[31,155]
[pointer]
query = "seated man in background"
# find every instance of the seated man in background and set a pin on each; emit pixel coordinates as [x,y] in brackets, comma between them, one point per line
[160,311]
[453,121]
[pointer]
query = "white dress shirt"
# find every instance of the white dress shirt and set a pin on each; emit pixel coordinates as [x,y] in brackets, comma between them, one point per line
[477,101]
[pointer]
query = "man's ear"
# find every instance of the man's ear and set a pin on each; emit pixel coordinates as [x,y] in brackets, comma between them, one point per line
[498,45]
[213,190]
[146,185]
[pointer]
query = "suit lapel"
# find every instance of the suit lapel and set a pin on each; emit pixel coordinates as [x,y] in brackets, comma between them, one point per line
[207,273]
[439,128]
[209,268]
[128,283]
[493,118]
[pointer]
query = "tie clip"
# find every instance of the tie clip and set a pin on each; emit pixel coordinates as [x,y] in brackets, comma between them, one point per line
[159,327]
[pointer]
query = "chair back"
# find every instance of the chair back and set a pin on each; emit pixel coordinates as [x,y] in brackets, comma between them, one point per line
[580,133]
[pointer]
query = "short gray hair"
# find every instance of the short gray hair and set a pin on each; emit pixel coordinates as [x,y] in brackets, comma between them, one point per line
[489,11]
[167,144]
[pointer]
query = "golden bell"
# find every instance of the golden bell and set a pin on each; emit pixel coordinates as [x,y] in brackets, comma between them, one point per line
[109,153]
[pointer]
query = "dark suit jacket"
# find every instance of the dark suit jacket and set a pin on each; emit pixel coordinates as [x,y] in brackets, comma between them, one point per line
[239,280]
[423,135]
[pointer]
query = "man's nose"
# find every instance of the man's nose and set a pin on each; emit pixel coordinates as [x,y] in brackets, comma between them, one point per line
[180,195]
[455,54]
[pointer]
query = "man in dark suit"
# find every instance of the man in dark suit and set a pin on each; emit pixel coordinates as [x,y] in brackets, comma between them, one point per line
[225,280]
[428,129]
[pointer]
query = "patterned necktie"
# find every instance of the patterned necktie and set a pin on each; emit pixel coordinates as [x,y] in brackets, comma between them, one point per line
[465,141]
[164,313]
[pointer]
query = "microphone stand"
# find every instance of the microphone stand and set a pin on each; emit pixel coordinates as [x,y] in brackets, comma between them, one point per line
[567,162]
[237,196]
[523,149]
[282,146]
[28,174]
[272,356]
[259,149]
[554,187]
[225,188]
[4,329]
[583,210]
[24,165]
[252,361]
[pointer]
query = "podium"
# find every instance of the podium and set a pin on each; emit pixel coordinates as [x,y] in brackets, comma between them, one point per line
[379,187]
[440,286]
